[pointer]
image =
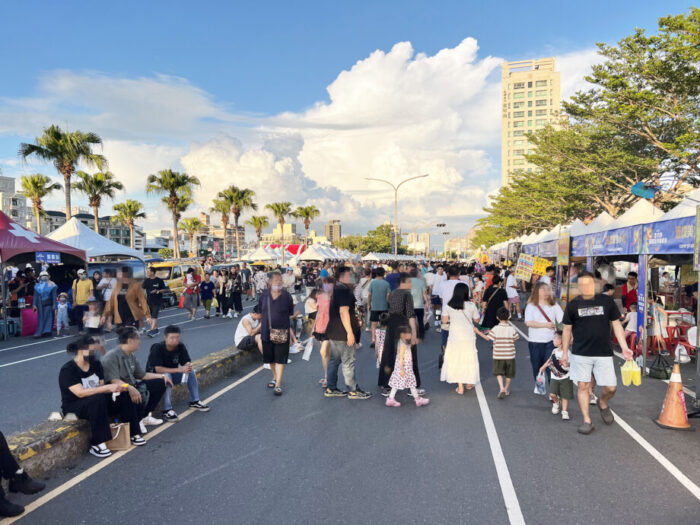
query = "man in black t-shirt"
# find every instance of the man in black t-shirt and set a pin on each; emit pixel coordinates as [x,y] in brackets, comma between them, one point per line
[343,331]
[587,319]
[172,359]
[155,287]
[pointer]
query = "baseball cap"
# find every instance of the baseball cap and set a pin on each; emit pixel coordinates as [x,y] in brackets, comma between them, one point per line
[81,271]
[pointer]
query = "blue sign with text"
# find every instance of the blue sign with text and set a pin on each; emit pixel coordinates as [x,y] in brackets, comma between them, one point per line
[48,257]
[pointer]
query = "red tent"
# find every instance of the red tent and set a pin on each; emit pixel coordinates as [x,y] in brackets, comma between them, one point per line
[19,245]
[294,249]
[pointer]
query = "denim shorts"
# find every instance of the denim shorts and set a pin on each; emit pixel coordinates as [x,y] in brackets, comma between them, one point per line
[603,368]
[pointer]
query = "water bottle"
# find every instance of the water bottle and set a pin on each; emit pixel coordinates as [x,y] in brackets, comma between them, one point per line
[21,302]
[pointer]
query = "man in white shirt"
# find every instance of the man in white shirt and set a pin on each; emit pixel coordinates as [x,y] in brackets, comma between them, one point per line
[512,289]
[247,336]
[107,284]
[548,276]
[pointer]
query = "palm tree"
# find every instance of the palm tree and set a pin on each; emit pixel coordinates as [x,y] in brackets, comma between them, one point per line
[36,187]
[174,186]
[97,187]
[240,200]
[222,207]
[127,213]
[307,214]
[258,222]
[280,210]
[65,149]
[191,226]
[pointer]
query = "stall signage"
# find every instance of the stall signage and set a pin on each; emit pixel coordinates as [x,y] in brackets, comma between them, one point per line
[540,266]
[641,295]
[523,270]
[675,236]
[48,257]
[563,250]
[696,251]
[548,249]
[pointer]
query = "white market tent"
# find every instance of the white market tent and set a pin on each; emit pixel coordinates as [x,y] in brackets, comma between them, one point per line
[685,208]
[261,254]
[600,223]
[312,254]
[74,233]
[641,212]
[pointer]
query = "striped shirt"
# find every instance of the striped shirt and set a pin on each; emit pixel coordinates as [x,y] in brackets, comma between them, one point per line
[503,337]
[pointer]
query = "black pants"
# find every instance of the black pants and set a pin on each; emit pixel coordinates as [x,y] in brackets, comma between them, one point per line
[78,312]
[129,412]
[8,464]
[94,409]
[237,305]
[220,303]
[420,313]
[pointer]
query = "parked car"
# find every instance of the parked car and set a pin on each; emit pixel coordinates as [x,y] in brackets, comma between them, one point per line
[173,273]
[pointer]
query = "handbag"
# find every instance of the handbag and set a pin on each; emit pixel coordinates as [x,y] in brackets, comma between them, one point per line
[277,335]
[120,437]
[214,303]
[143,390]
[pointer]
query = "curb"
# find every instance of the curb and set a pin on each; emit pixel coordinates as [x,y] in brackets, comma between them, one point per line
[55,444]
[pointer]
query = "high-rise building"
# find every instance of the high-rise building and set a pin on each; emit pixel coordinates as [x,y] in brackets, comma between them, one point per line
[531,100]
[14,204]
[332,231]
[418,242]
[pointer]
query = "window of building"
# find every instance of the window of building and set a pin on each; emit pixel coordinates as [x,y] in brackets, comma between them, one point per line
[529,94]
[541,83]
[529,123]
[517,114]
[518,143]
[519,152]
[114,233]
[541,112]
[529,170]
[541,93]
[14,213]
[529,103]
[529,84]
[517,105]
[517,96]
[541,122]
[529,113]
[541,102]
[519,162]
[519,85]
[517,133]
[518,124]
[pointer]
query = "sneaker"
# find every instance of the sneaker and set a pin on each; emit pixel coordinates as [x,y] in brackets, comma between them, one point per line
[594,399]
[24,484]
[138,441]
[266,366]
[151,421]
[537,392]
[229,316]
[334,392]
[372,345]
[198,405]
[422,401]
[235,316]
[359,346]
[358,393]
[385,391]
[7,508]
[586,428]
[565,415]
[420,392]
[169,415]
[100,452]
[142,428]
[555,408]
[520,316]
[391,402]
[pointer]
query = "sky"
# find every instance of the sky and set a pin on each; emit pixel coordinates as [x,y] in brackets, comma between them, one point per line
[299,101]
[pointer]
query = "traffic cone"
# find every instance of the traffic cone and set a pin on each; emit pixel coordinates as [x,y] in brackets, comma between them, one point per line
[673,413]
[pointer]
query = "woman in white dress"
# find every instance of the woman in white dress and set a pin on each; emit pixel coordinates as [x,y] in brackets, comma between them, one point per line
[461,363]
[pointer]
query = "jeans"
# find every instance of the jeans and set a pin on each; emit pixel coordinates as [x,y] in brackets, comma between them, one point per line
[539,353]
[341,353]
[192,386]
[445,334]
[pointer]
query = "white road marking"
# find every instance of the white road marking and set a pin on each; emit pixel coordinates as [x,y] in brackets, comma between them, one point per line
[510,498]
[35,343]
[43,500]
[665,463]
[32,358]
[522,334]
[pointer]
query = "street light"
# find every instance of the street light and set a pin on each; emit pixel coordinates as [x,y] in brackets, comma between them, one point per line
[396,205]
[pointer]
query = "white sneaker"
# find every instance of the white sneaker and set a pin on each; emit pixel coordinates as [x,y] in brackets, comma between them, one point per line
[520,316]
[142,427]
[266,366]
[565,415]
[235,316]
[555,408]
[229,316]
[537,391]
[594,399]
[151,421]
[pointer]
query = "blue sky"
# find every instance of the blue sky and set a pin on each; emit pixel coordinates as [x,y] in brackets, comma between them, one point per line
[237,67]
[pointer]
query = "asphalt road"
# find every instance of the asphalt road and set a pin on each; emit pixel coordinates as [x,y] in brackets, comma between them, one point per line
[302,458]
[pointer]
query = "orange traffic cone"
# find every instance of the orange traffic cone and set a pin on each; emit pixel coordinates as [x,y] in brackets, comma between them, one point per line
[673,413]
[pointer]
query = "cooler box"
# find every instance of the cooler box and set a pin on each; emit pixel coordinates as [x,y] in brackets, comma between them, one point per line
[29,318]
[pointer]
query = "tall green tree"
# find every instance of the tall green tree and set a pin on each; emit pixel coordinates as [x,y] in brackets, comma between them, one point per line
[258,222]
[191,227]
[65,149]
[281,210]
[174,186]
[241,200]
[223,208]
[306,214]
[35,187]
[126,213]
[97,187]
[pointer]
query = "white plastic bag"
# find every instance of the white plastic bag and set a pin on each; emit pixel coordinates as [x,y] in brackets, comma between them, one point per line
[295,348]
[682,353]
[541,383]
[308,348]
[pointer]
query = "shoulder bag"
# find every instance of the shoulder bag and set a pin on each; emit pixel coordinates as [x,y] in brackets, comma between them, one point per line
[277,335]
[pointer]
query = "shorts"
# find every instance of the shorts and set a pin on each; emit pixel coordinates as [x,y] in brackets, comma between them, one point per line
[190,301]
[320,337]
[374,315]
[207,305]
[514,300]
[155,310]
[603,368]
[275,352]
[435,300]
[247,343]
[563,388]
[504,367]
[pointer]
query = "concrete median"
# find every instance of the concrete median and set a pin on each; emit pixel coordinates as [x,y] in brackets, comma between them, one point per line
[55,444]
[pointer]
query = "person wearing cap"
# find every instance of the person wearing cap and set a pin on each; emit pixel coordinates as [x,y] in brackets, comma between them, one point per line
[44,300]
[82,291]
[288,280]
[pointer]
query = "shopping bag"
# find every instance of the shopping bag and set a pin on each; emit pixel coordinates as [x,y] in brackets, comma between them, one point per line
[308,349]
[214,303]
[682,353]
[295,348]
[626,371]
[121,439]
[660,368]
[541,383]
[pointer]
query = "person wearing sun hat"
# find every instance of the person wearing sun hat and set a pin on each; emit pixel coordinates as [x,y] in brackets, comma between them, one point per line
[44,300]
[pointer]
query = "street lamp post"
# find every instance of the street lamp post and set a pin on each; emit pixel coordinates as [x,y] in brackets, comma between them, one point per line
[396,205]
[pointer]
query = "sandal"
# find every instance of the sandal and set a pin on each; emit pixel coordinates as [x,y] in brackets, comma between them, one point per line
[271,384]
[278,391]
[323,382]
[460,393]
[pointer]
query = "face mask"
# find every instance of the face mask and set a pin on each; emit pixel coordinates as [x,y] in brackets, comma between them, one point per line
[327,287]
[277,287]
[45,279]
[90,358]
[83,276]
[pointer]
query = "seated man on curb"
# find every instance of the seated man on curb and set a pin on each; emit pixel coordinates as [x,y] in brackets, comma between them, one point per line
[19,481]
[145,388]
[171,359]
[247,336]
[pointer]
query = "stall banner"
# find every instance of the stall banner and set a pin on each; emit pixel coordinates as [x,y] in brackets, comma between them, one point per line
[530,249]
[540,266]
[557,287]
[621,241]
[563,249]
[548,249]
[674,236]
[589,264]
[513,250]
[523,270]
[696,251]
[641,295]
[48,257]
